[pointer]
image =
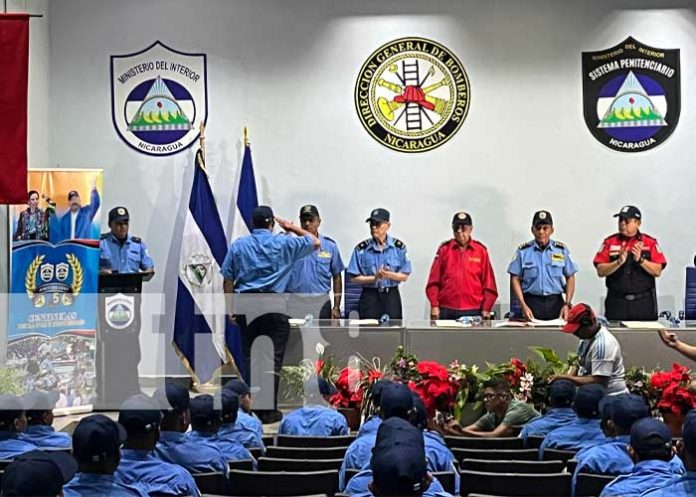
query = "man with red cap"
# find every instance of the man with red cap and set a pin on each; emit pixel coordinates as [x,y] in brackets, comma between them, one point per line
[599,353]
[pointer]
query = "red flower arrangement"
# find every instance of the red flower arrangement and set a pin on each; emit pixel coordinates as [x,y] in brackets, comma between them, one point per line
[435,387]
[519,370]
[672,390]
[348,384]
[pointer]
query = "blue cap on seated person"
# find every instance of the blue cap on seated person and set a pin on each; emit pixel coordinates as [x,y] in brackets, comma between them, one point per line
[229,402]
[11,408]
[97,437]
[627,409]
[398,463]
[396,400]
[420,416]
[140,413]
[689,433]
[326,388]
[650,433]
[172,397]
[562,393]
[587,400]
[376,390]
[38,473]
[237,386]
[204,412]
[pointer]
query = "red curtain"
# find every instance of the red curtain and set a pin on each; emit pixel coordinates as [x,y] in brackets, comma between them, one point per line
[14,69]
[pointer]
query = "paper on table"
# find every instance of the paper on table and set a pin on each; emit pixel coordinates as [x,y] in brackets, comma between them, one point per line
[297,322]
[649,325]
[548,322]
[511,324]
[358,322]
[451,323]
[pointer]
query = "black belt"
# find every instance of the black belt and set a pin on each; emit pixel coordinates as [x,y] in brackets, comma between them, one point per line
[382,289]
[543,297]
[630,296]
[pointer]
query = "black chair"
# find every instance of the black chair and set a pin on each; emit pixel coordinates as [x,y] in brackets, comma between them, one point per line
[306,452]
[506,443]
[523,467]
[487,495]
[298,465]
[588,484]
[264,483]
[446,479]
[350,473]
[559,455]
[255,452]
[4,463]
[497,455]
[571,465]
[212,483]
[534,442]
[515,485]
[316,442]
[313,495]
[245,464]
[268,440]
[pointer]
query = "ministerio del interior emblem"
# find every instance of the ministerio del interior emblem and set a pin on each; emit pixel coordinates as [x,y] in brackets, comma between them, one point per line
[412,94]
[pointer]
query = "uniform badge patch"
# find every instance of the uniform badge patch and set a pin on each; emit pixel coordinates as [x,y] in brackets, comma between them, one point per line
[412,95]
[632,95]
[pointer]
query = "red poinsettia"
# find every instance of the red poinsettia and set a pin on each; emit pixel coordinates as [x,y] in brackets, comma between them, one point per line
[435,387]
[349,392]
[318,366]
[519,370]
[672,390]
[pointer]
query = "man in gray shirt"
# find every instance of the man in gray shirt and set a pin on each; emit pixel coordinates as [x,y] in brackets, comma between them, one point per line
[599,353]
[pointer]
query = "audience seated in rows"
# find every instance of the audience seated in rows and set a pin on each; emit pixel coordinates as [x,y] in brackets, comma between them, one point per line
[316,418]
[247,429]
[38,473]
[39,429]
[12,423]
[373,420]
[560,411]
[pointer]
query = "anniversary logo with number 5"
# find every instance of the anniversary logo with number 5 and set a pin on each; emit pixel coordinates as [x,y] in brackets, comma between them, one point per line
[412,94]
[631,95]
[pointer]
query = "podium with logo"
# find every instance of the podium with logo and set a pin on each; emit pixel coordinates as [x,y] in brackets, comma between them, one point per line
[118,338]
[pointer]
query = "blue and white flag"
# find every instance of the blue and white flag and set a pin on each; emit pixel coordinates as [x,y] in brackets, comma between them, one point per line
[200,300]
[247,199]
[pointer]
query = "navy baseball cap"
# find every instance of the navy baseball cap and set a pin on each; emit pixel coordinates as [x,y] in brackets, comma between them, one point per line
[629,212]
[380,215]
[73,193]
[140,413]
[650,433]
[398,462]
[38,473]
[461,219]
[38,402]
[229,402]
[323,386]
[11,408]
[376,390]
[606,406]
[689,433]
[627,409]
[172,396]
[237,386]
[118,214]
[309,211]
[204,412]
[542,217]
[262,214]
[97,437]
[562,392]
[587,400]
[396,400]
[420,418]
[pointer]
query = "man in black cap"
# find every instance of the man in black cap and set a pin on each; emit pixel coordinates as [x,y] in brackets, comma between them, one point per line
[257,270]
[541,271]
[379,264]
[314,277]
[97,444]
[77,222]
[140,416]
[247,428]
[12,423]
[40,429]
[38,473]
[316,418]
[630,261]
[371,423]
[120,252]
[560,412]
[174,446]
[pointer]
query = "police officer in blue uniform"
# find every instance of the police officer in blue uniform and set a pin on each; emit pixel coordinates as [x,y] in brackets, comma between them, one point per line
[174,446]
[379,263]
[40,429]
[38,473]
[13,422]
[371,424]
[560,412]
[316,418]
[541,272]
[314,277]
[140,467]
[247,428]
[229,434]
[260,265]
[97,444]
[120,252]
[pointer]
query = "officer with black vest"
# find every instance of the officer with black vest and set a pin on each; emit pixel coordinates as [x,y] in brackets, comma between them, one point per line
[379,263]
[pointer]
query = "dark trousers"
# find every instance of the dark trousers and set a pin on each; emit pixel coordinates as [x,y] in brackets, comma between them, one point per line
[545,307]
[375,302]
[274,325]
[117,360]
[319,306]
[447,313]
[629,308]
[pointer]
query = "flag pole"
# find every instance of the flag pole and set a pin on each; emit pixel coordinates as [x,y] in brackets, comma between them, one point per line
[246,137]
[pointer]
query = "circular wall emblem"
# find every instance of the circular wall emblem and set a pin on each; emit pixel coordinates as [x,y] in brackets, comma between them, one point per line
[412,94]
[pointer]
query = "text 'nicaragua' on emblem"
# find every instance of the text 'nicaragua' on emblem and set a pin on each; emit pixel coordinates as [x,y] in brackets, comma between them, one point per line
[159,98]
[631,95]
[412,94]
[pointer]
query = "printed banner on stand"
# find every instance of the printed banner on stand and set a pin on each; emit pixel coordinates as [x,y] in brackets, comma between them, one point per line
[53,286]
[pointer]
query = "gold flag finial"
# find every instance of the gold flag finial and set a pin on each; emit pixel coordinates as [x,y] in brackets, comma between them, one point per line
[246,136]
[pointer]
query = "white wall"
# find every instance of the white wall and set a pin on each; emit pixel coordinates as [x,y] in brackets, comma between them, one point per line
[287,70]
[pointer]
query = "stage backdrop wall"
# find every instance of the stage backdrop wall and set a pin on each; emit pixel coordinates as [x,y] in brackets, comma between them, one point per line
[288,69]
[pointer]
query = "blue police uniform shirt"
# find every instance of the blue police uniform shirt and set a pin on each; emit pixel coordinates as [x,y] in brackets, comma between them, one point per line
[130,257]
[646,475]
[143,469]
[542,271]
[367,259]
[370,426]
[439,456]
[682,487]
[313,275]
[197,457]
[577,435]
[262,261]
[237,432]
[11,445]
[233,450]
[46,437]
[359,485]
[358,454]
[100,485]
[314,421]
[555,418]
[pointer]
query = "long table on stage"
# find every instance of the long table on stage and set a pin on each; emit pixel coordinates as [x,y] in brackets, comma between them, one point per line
[476,345]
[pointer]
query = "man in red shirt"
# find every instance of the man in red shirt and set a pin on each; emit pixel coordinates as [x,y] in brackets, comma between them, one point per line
[461,281]
[630,261]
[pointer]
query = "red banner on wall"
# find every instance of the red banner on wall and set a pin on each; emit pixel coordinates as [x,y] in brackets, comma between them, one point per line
[14,70]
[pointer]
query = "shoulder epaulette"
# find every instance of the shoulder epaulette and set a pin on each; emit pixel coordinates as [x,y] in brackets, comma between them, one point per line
[559,245]
[136,239]
[363,245]
[103,236]
[329,239]
[399,244]
[525,245]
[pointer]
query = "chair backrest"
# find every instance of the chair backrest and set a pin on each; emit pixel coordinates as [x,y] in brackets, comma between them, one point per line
[690,294]
[211,483]
[295,465]
[559,455]
[534,442]
[571,464]
[246,464]
[497,455]
[297,441]
[587,484]
[306,452]
[4,463]
[524,467]
[255,452]
[350,473]
[265,483]
[484,443]
[351,295]
[446,479]
[268,440]
[515,485]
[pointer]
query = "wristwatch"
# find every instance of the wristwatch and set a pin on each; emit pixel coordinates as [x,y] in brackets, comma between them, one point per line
[569,304]
[641,260]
